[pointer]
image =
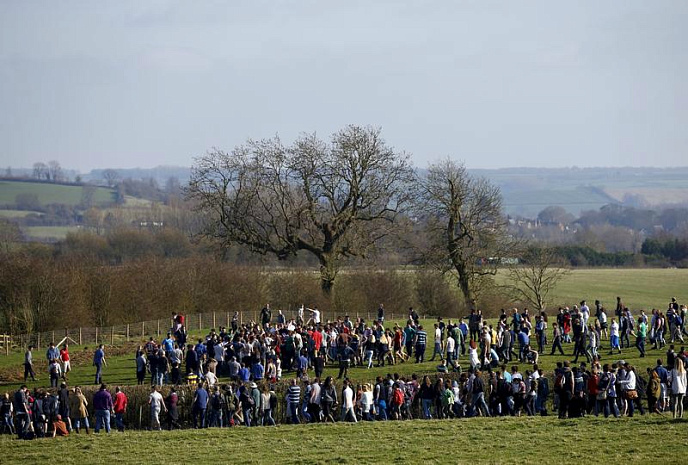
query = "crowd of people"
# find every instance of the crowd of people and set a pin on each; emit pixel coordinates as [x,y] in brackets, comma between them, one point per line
[256,355]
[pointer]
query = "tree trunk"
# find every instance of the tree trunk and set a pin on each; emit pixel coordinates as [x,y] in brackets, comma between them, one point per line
[328,273]
[464,285]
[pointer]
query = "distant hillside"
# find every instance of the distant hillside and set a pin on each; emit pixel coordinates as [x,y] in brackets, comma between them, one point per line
[161,174]
[526,191]
[50,193]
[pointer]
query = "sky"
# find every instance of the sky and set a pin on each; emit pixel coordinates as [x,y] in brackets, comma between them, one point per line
[143,83]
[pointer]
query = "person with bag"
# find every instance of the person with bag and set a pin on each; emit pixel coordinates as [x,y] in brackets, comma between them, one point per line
[654,391]
[610,391]
[629,384]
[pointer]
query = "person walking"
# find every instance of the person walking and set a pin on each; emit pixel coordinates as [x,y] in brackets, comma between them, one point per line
[78,408]
[421,340]
[103,406]
[157,404]
[172,411]
[556,339]
[28,365]
[677,382]
[98,362]
[120,408]
[199,407]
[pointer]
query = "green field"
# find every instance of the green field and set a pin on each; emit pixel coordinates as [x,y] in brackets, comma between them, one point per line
[503,440]
[10,214]
[638,288]
[48,232]
[52,193]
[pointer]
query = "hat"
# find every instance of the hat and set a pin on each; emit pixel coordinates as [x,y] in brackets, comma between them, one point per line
[254,385]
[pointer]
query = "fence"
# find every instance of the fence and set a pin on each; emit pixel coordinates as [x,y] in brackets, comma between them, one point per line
[5,342]
[142,330]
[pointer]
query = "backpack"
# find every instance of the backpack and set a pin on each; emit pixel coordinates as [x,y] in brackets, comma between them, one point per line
[216,402]
[559,382]
[273,401]
[503,388]
[398,397]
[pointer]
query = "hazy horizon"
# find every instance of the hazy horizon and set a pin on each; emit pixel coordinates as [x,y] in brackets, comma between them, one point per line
[496,84]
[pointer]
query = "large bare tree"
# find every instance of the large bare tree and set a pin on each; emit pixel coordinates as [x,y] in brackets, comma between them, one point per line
[538,274]
[333,200]
[466,231]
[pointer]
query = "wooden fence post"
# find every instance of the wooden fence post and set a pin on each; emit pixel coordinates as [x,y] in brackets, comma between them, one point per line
[143,330]
[79,335]
[127,332]
[229,323]
[200,321]
[38,341]
[8,338]
[52,339]
[112,335]
[214,326]
[158,327]
[96,335]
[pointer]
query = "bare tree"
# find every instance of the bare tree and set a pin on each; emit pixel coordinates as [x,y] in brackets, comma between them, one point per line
[40,171]
[467,233]
[55,171]
[332,200]
[111,177]
[533,279]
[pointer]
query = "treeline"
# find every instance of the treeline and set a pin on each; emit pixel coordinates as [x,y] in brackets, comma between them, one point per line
[671,249]
[42,289]
[655,252]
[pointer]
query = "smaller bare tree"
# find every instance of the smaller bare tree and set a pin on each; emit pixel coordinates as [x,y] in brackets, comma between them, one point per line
[111,177]
[40,171]
[55,172]
[532,280]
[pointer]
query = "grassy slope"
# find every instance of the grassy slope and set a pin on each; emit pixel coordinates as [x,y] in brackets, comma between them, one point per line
[51,193]
[638,288]
[523,440]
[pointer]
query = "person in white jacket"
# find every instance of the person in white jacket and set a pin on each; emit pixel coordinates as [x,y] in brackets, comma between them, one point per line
[677,381]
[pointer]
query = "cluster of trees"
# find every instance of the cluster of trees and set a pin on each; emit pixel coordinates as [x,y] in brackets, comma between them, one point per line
[343,198]
[51,171]
[673,249]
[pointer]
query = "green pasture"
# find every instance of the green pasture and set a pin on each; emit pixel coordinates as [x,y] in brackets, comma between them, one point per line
[12,214]
[639,288]
[48,232]
[52,193]
[478,440]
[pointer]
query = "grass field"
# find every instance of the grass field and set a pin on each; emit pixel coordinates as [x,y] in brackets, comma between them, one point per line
[503,440]
[638,288]
[48,232]
[52,193]
[10,214]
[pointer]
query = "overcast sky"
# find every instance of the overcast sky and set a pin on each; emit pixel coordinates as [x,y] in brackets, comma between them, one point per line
[142,83]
